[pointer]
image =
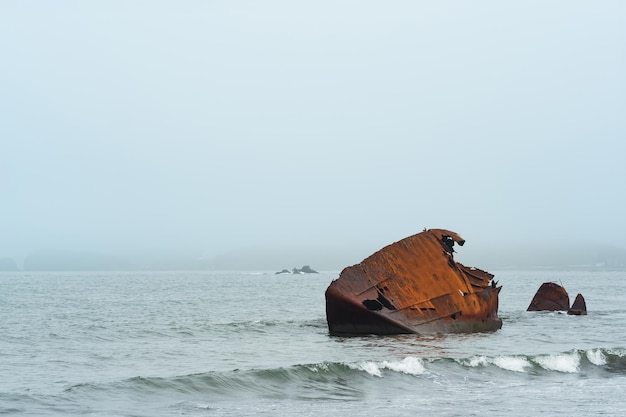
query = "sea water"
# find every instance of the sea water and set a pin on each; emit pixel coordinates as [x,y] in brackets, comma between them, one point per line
[242,344]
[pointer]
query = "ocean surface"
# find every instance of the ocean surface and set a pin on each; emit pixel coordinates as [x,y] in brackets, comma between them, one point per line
[256,344]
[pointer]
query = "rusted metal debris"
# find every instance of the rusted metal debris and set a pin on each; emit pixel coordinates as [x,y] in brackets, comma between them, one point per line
[549,297]
[413,286]
[553,297]
[579,308]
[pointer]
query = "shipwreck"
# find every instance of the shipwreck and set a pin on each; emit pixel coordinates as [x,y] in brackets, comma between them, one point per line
[413,286]
[553,297]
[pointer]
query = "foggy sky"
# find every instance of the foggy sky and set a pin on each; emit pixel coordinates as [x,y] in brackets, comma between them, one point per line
[202,127]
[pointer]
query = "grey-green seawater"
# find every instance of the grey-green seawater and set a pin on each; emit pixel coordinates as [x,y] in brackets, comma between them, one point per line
[239,343]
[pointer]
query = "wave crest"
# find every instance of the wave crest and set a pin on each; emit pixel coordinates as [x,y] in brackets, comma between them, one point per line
[345,380]
[565,362]
[409,365]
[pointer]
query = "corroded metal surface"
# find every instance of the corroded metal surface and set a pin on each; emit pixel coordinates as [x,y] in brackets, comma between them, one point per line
[413,286]
[550,297]
[579,308]
[553,297]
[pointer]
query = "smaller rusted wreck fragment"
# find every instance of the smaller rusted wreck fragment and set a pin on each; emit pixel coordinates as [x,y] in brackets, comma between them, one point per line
[553,297]
[413,286]
[579,307]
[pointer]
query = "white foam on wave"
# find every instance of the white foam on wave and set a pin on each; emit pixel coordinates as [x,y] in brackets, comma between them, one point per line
[596,357]
[565,362]
[617,352]
[512,363]
[508,363]
[370,367]
[318,367]
[409,365]
[475,361]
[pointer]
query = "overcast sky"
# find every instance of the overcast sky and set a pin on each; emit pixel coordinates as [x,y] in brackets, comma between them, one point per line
[206,126]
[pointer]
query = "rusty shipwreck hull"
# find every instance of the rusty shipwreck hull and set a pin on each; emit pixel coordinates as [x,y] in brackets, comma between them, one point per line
[413,286]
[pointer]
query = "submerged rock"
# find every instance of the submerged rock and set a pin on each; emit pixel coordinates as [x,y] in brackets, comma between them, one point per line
[306,269]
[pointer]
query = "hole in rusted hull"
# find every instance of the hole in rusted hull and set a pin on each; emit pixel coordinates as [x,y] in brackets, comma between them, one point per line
[373,305]
[378,304]
[381,299]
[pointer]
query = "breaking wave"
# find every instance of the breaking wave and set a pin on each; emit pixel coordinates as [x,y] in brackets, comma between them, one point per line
[610,360]
[333,380]
[409,366]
